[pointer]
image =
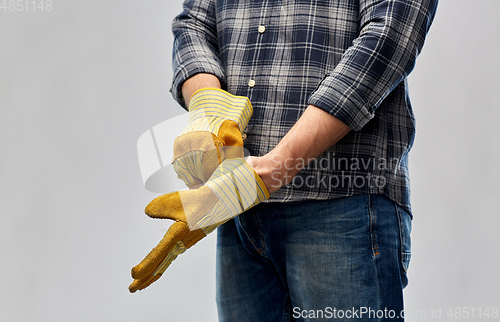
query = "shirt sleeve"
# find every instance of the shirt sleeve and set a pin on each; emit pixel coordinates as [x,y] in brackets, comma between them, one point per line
[195,47]
[392,34]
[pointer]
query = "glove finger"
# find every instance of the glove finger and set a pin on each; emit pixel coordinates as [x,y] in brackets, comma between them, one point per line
[189,240]
[232,140]
[193,237]
[230,134]
[143,283]
[157,255]
[187,206]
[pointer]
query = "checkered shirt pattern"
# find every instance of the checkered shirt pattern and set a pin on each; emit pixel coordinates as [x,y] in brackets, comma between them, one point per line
[350,58]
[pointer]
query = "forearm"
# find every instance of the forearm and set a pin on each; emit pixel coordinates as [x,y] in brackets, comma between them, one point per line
[314,133]
[195,48]
[392,34]
[197,82]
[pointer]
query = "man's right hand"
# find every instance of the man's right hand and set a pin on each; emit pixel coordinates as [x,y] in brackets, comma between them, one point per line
[232,189]
[214,134]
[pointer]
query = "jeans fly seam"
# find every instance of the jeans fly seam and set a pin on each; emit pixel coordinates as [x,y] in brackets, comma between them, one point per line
[287,307]
[262,237]
[373,234]
[401,232]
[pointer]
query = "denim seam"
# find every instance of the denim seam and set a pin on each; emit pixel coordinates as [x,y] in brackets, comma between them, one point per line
[401,232]
[261,233]
[372,218]
[287,307]
[244,227]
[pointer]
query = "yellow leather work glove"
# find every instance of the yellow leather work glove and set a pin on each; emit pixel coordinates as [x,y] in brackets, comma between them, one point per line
[233,188]
[214,133]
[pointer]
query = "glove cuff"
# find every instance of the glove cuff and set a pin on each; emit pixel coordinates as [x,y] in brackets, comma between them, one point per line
[217,102]
[237,186]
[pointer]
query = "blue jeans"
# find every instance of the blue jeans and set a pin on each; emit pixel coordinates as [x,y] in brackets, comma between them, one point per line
[342,259]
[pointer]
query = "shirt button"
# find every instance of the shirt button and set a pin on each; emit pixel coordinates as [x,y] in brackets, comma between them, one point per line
[244,136]
[262,29]
[251,83]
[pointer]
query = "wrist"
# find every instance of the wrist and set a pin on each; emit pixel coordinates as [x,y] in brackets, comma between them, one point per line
[275,169]
[196,83]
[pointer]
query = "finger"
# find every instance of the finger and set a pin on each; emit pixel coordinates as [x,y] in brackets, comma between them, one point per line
[232,139]
[193,237]
[230,134]
[157,255]
[142,284]
[188,206]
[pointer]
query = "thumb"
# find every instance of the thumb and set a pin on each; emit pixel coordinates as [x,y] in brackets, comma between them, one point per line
[168,206]
[187,206]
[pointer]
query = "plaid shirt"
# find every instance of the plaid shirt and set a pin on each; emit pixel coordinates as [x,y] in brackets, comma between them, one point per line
[350,58]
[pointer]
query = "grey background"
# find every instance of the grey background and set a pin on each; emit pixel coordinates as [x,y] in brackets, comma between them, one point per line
[80,84]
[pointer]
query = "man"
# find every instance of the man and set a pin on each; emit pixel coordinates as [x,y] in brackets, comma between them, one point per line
[331,129]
